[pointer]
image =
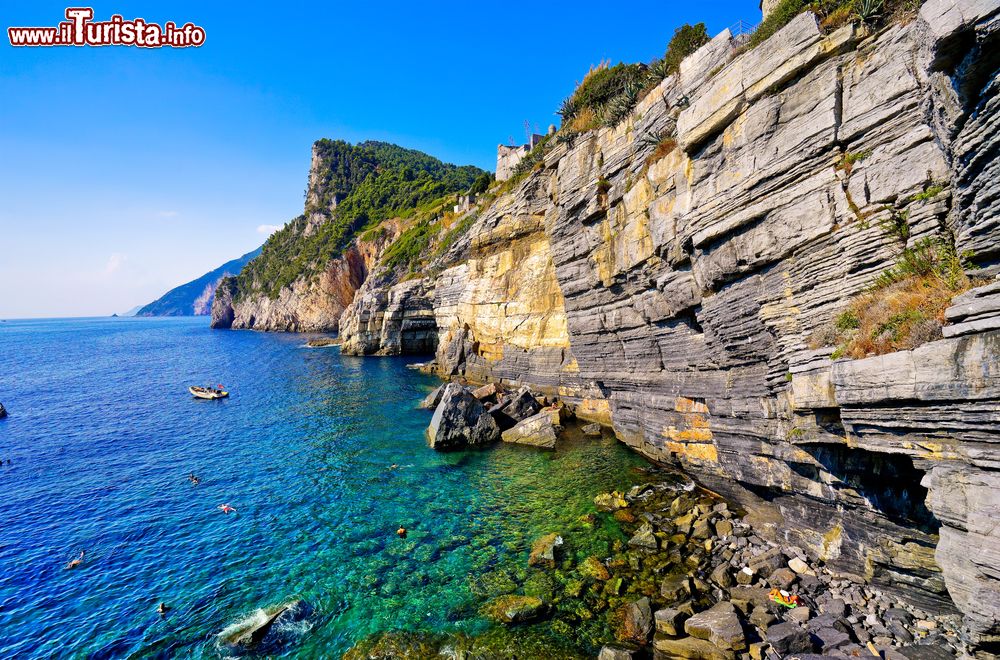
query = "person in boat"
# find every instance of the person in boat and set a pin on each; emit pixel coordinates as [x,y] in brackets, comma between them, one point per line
[225,508]
[76,562]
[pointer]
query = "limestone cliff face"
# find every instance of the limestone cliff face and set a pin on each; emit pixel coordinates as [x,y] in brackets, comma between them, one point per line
[676,298]
[312,304]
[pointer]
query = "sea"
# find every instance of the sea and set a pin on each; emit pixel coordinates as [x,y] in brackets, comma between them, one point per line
[321,455]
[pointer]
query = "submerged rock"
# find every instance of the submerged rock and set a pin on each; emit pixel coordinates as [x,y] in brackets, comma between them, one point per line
[644,538]
[593,568]
[675,587]
[610,501]
[395,645]
[544,549]
[637,624]
[514,609]
[537,431]
[460,421]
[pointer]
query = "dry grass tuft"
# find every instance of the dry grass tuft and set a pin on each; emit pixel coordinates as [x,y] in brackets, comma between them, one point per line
[585,120]
[903,308]
[663,148]
[899,317]
[837,18]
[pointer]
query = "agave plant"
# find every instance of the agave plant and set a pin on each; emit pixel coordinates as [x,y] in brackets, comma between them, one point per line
[869,10]
[651,140]
[621,105]
[567,110]
[657,70]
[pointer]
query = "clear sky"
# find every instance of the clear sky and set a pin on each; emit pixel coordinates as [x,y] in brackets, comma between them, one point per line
[125,171]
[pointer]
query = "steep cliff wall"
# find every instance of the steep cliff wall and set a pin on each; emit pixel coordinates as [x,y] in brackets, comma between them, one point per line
[309,304]
[677,296]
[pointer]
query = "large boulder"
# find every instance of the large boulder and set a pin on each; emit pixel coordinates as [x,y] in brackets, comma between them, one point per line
[615,652]
[719,625]
[787,638]
[521,405]
[670,621]
[637,622]
[460,421]
[431,401]
[488,392]
[644,537]
[537,430]
[692,648]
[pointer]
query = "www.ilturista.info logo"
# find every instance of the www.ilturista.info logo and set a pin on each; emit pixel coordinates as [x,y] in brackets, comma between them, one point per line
[80,30]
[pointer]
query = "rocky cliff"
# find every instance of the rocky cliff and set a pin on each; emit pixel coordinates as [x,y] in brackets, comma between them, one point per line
[309,304]
[669,276]
[309,271]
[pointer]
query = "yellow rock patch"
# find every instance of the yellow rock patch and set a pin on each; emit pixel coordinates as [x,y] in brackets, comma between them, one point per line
[695,451]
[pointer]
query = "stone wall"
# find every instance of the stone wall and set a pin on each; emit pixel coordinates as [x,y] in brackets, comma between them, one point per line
[679,304]
[507,159]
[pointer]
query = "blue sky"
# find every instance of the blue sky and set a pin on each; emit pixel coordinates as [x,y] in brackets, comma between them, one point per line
[125,171]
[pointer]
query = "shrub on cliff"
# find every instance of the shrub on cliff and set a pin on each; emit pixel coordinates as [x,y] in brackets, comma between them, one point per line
[904,306]
[607,95]
[481,184]
[406,249]
[686,40]
[834,13]
[593,97]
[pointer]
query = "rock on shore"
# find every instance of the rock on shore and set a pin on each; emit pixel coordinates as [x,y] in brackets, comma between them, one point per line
[537,430]
[465,417]
[460,421]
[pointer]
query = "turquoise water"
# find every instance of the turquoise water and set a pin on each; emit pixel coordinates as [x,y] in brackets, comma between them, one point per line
[103,434]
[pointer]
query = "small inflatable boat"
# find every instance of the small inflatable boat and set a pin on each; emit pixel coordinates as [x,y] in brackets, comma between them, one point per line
[207,392]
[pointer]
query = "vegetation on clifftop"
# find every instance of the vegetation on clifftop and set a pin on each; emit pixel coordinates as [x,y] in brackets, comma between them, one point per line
[355,187]
[834,13]
[608,94]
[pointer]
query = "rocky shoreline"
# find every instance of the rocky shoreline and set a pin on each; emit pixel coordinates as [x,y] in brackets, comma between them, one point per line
[685,576]
[689,579]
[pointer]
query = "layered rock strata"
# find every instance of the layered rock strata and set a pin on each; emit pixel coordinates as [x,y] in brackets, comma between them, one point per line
[676,299]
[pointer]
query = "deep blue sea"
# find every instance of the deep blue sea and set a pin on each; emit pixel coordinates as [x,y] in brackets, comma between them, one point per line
[102,434]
